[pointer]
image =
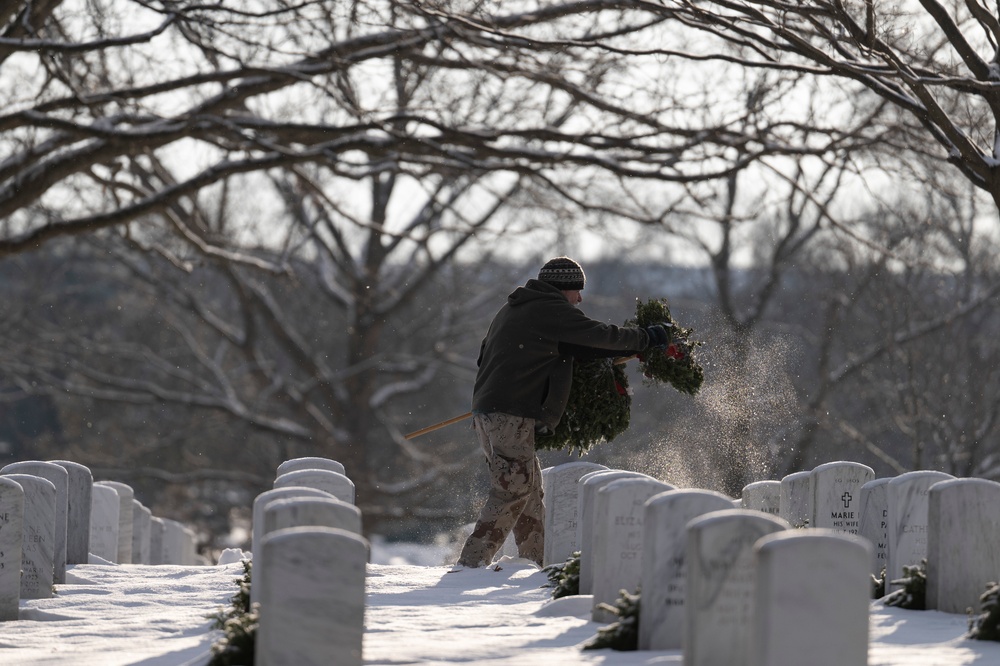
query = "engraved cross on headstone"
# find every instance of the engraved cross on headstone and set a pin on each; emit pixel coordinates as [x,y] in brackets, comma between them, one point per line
[846,497]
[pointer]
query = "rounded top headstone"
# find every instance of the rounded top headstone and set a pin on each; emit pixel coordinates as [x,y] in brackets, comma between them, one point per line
[922,474]
[309,462]
[726,515]
[842,463]
[816,534]
[32,481]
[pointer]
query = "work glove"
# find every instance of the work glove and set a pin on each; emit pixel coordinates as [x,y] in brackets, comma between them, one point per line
[660,335]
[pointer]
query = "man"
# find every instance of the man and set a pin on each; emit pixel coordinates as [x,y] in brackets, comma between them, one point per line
[523,384]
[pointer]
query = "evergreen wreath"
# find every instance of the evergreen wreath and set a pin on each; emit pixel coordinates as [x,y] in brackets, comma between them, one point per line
[600,400]
[878,584]
[564,577]
[676,365]
[597,410]
[238,625]
[622,634]
[986,625]
[913,592]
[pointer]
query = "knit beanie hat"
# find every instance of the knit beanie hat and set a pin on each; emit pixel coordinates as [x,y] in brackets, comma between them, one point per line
[563,273]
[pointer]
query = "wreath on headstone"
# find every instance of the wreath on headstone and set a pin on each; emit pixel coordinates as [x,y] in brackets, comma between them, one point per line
[564,577]
[600,400]
[239,626]
[623,633]
[985,626]
[912,594]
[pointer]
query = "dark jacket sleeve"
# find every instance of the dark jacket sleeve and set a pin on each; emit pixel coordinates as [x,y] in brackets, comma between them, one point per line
[583,353]
[571,326]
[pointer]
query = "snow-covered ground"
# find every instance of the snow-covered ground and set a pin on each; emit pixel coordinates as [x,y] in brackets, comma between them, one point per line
[417,613]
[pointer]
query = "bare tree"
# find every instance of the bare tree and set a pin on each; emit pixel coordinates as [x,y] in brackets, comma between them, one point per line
[935,63]
[351,152]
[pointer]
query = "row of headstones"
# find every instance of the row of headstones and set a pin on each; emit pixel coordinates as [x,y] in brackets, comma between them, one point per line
[736,585]
[952,523]
[309,565]
[53,514]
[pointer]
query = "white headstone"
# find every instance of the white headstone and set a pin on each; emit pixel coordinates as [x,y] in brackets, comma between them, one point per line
[310,462]
[260,504]
[762,496]
[11,542]
[720,577]
[104,523]
[588,486]
[78,506]
[125,497]
[562,501]
[311,512]
[836,495]
[157,528]
[175,543]
[141,517]
[795,504]
[334,483]
[963,542]
[875,522]
[190,547]
[906,497]
[811,596]
[60,479]
[662,616]
[38,536]
[618,536]
[313,598]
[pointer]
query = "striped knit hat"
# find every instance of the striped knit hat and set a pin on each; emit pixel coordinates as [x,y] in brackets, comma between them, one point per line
[563,273]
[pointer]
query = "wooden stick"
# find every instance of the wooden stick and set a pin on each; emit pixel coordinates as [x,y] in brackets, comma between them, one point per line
[456,419]
[438,426]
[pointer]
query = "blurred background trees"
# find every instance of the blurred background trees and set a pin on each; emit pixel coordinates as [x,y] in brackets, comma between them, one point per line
[288,237]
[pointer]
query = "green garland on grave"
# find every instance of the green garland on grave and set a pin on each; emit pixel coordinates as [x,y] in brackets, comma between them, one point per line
[239,626]
[600,400]
[676,365]
[986,625]
[623,633]
[564,577]
[878,584]
[913,588]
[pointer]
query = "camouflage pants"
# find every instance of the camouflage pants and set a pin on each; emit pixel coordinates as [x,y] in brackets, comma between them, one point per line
[515,500]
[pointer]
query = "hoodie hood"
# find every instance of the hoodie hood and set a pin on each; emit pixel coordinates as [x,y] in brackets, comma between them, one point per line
[532,290]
